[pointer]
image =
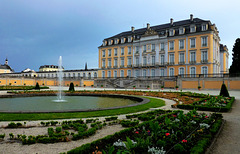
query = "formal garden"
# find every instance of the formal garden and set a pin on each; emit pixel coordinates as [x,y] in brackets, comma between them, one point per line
[156,131]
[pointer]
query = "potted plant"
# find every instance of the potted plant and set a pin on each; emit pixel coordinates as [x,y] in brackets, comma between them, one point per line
[84,86]
[199,87]
[176,87]
[162,87]
[134,87]
[92,85]
[148,87]
[101,86]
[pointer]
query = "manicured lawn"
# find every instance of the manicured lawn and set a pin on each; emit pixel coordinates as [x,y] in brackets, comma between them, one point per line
[50,116]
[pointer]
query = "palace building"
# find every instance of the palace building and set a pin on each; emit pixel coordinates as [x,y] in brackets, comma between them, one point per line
[186,47]
[6,68]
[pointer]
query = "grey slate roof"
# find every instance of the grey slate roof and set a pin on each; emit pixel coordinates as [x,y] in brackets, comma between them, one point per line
[161,29]
[6,67]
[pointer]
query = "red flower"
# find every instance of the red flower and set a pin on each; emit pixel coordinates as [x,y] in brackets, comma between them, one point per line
[184,141]
[137,132]
[224,102]
[148,131]
[194,116]
[216,97]
[206,116]
[167,134]
[205,100]
[174,116]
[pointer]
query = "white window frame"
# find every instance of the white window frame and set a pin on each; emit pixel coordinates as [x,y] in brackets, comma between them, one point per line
[162,72]
[144,73]
[115,52]
[115,62]
[171,32]
[162,46]
[103,53]
[181,30]
[162,59]
[153,72]
[204,27]
[171,58]
[122,51]
[192,28]
[122,40]
[121,73]
[129,61]
[129,50]
[109,74]
[144,48]
[109,62]
[181,44]
[116,41]
[144,60]
[122,61]
[137,49]
[180,56]
[103,74]
[153,47]
[129,73]
[194,40]
[204,55]
[109,52]
[153,60]
[191,57]
[171,45]
[103,63]
[180,69]
[137,60]
[203,41]
[171,71]
[115,74]
[191,73]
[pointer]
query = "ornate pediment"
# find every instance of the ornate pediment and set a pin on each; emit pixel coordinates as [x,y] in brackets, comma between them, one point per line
[150,32]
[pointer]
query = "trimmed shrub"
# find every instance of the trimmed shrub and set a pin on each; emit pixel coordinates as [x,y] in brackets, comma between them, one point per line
[71,87]
[224,91]
[37,87]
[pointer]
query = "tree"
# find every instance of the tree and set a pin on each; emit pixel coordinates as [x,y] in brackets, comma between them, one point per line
[37,87]
[235,58]
[71,87]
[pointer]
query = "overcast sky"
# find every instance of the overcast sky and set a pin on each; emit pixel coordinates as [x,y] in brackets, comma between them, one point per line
[37,32]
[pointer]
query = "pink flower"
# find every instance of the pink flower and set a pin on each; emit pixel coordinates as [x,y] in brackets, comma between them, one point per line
[167,134]
[206,116]
[137,132]
[184,141]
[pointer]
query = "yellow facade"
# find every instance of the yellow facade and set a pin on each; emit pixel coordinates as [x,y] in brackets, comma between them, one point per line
[147,43]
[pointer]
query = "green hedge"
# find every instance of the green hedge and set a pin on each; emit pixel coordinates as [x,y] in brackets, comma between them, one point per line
[207,108]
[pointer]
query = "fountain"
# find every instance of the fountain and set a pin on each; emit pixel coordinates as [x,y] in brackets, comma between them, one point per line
[60,81]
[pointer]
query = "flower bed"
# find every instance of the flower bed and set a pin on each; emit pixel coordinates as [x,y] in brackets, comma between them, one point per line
[173,132]
[211,103]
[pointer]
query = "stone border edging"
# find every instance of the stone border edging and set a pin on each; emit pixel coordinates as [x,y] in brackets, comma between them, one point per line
[210,148]
[141,101]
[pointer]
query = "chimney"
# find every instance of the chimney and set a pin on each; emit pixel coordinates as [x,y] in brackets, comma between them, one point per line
[171,21]
[191,17]
[132,28]
[148,25]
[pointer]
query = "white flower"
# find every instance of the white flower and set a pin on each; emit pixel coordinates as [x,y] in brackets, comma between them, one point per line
[204,125]
[193,122]
[119,143]
[156,150]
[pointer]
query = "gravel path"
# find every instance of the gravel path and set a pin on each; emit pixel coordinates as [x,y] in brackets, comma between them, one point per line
[229,138]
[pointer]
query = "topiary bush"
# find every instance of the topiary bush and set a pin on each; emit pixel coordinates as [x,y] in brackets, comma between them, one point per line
[224,91]
[71,87]
[37,87]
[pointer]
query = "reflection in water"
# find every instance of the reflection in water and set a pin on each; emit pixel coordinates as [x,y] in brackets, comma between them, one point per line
[71,103]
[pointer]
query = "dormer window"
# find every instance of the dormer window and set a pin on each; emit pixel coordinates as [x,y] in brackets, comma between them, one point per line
[115,41]
[109,42]
[171,32]
[204,27]
[181,30]
[122,40]
[104,43]
[129,39]
[192,28]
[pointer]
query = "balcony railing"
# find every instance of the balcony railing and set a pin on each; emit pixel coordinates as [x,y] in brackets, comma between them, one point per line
[129,65]
[204,61]
[121,66]
[171,63]
[192,62]
[181,62]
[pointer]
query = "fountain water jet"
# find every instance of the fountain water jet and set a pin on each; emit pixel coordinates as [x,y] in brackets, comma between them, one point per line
[60,81]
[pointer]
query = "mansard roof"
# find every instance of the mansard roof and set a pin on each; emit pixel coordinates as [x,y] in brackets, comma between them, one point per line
[161,29]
